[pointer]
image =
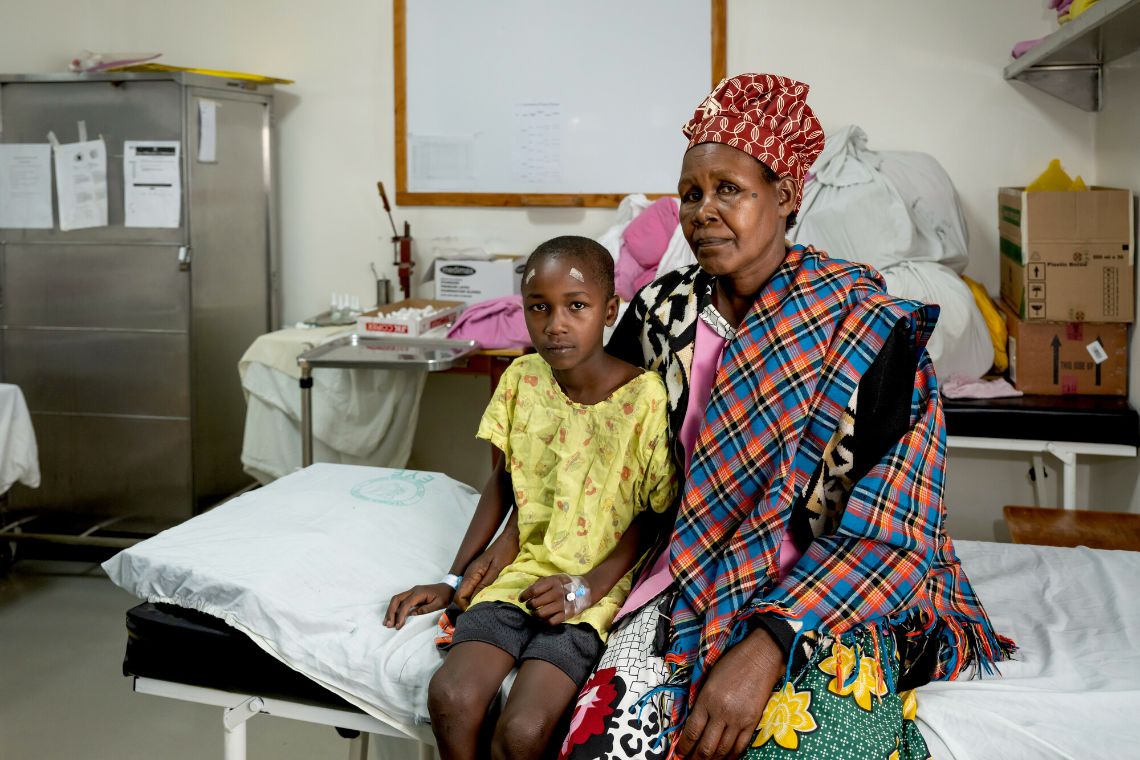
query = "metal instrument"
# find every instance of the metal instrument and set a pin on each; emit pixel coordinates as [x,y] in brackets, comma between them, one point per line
[402,253]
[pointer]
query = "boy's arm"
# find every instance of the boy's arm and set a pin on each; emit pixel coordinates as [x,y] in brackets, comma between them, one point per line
[497,500]
[493,505]
[546,597]
[484,569]
[631,547]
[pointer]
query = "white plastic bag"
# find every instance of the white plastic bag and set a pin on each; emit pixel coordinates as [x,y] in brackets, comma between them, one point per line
[881,208]
[899,213]
[961,342]
[933,205]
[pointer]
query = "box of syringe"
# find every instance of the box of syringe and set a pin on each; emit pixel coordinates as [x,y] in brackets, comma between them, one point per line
[409,318]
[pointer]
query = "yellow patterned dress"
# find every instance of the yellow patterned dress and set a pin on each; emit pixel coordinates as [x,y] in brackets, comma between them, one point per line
[580,474]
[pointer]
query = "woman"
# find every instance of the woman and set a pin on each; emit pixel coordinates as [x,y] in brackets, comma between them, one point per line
[808,583]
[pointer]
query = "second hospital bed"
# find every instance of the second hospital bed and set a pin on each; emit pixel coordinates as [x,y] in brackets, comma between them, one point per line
[273,602]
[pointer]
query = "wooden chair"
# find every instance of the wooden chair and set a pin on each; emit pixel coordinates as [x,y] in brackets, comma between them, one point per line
[1073,527]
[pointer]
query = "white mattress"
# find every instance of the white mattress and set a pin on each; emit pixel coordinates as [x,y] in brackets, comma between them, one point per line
[306,566]
[1074,690]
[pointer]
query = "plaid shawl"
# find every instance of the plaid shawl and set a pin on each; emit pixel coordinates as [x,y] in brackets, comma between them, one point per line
[778,396]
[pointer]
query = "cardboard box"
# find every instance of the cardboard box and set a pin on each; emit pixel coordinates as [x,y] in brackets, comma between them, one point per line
[1065,358]
[1067,257]
[381,321]
[474,280]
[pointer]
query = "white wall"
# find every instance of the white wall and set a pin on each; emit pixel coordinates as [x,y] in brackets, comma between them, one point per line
[1118,165]
[916,75]
[924,76]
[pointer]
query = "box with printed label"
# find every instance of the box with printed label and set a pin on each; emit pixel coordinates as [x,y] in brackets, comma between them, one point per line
[1067,256]
[385,321]
[475,280]
[1065,358]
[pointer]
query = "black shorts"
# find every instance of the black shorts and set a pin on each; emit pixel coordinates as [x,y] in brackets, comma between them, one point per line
[572,648]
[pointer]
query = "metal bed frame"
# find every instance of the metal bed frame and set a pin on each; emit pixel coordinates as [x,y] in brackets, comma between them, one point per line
[238,709]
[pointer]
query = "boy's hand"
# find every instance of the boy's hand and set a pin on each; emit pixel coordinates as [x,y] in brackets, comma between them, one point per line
[484,569]
[418,600]
[557,598]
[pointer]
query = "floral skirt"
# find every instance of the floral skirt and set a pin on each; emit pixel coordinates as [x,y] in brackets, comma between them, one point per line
[835,706]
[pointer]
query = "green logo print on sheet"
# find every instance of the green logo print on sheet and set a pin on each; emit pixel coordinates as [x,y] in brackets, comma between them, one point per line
[399,488]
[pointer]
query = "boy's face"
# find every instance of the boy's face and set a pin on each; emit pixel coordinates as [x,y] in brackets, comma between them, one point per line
[565,311]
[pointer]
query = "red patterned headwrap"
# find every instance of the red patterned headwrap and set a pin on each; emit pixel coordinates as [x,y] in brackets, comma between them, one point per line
[767,117]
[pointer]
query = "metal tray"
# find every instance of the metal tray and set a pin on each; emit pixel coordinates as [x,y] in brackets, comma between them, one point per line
[367,352]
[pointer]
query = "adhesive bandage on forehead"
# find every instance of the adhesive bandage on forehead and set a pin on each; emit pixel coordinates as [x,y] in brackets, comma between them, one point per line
[577,275]
[530,276]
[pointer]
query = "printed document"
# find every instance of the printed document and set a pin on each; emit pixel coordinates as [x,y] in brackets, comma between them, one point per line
[152,183]
[81,182]
[25,186]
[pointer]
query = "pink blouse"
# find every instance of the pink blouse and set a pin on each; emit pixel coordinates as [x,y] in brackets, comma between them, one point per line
[708,348]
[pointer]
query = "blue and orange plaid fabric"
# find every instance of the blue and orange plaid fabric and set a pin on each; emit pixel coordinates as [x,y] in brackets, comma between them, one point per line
[777,399]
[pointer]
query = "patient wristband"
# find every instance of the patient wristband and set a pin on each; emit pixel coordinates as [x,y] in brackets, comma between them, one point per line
[576,596]
[452,580]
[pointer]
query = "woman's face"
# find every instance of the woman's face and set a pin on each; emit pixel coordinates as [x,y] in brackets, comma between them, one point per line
[733,218]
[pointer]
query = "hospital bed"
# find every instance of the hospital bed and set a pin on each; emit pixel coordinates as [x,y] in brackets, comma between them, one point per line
[272,603]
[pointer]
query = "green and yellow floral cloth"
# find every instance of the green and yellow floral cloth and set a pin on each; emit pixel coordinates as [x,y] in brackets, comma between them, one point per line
[838,707]
[580,473]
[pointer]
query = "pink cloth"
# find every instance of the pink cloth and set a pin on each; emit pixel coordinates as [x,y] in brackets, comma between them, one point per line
[643,244]
[960,386]
[1025,46]
[497,323]
[707,352]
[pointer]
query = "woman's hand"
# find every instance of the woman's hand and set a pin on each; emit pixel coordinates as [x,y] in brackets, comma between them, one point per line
[732,700]
[418,600]
[484,569]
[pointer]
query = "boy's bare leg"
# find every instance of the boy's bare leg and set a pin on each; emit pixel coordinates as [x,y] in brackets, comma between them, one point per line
[460,693]
[539,698]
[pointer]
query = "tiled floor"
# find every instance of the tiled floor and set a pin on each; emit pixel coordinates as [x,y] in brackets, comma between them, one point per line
[63,695]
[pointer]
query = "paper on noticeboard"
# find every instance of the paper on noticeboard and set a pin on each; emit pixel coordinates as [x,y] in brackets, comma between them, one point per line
[536,151]
[443,162]
[25,186]
[81,183]
[152,183]
[207,131]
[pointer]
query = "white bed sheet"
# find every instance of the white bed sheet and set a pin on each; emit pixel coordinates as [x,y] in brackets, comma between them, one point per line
[306,567]
[1074,689]
[360,416]
[19,457]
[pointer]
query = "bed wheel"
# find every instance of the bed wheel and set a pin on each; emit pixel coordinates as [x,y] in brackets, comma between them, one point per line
[347,733]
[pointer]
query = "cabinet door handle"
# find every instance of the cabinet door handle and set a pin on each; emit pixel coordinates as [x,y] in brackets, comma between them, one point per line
[184,258]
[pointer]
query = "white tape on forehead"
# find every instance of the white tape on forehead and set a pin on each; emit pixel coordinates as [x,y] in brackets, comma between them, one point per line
[577,275]
[529,276]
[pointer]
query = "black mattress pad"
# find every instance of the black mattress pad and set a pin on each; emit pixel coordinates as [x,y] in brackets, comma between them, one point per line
[1079,419]
[170,643]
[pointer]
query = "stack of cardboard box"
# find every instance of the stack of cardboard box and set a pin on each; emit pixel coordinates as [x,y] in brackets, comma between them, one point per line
[1066,282]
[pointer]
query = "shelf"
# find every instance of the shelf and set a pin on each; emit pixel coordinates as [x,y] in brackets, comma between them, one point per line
[1068,63]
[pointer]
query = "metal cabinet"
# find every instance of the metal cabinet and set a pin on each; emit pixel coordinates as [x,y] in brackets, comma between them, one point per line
[125,341]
